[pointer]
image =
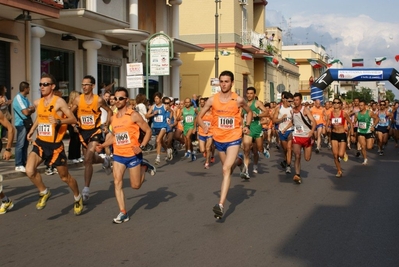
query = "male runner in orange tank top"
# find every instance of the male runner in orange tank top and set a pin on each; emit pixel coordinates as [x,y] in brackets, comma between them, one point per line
[53,115]
[227,130]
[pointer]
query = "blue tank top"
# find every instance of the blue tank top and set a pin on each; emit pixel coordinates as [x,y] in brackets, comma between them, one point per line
[168,120]
[159,120]
[383,119]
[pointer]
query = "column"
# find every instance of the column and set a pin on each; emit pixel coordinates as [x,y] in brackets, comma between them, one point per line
[175,18]
[91,59]
[175,75]
[91,5]
[36,34]
[133,14]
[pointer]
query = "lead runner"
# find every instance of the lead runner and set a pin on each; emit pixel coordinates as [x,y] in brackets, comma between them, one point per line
[226,128]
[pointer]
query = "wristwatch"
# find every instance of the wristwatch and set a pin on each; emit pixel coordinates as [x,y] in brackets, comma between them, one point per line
[8,149]
[142,147]
[59,122]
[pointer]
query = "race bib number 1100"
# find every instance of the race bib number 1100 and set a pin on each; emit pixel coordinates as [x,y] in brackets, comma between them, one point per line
[226,122]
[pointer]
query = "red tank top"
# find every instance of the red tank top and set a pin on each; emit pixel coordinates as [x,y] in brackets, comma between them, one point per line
[337,121]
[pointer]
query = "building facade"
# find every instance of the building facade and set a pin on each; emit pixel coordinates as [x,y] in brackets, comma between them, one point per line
[71,39]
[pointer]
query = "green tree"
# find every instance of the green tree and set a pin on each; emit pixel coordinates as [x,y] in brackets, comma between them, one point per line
[363,94]
[390,96]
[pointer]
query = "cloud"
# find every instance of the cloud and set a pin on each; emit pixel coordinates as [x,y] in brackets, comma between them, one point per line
[343,37]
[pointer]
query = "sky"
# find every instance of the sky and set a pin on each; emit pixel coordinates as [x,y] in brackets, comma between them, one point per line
[346,28]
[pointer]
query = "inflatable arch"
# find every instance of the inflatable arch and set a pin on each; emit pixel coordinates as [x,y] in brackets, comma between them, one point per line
[356,74]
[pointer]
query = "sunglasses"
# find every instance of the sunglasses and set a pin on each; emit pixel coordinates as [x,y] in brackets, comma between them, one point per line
[121,98]
[45,84]
[382,104]
[167,103]
[290,101]
[86,84]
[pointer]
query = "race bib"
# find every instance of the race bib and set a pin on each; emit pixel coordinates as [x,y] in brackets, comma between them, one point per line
[45,129]
[336,121]
[383,120]
[316,117]
[298,129]
[87,120]
[362,125]
[158,118]
[122,138]
[226,122]
[189,118]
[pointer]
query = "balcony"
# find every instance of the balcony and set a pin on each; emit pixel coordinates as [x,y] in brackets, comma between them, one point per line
[256,43]
[304,87]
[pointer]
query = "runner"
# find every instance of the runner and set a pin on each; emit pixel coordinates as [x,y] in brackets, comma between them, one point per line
[255,138]
[188,117]
[337,122]
[304,127]
[227,132]
[319,114]
[354,110]
[365,129]
[170,128]
[283,117]
[90,129]
[126,125]
[159,124]
[6,203]
[383,127]
[53,115]
[205,139]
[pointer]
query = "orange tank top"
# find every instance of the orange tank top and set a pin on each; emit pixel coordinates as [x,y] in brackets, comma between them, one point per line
[318,115]
[207,119]
[89,115]
[226,119]
[126,134]
[46,131]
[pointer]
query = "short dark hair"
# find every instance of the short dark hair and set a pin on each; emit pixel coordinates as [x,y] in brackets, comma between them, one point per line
[251,89]
[122,89]
[51,77]
[92,79]
[298,95]
[140,98]
[158,94]
[23,86]
[287,95]
[227,73]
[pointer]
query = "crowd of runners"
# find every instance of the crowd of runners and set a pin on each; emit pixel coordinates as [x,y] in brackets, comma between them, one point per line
[225,122]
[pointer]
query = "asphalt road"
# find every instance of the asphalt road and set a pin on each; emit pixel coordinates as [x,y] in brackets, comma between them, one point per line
[269,220]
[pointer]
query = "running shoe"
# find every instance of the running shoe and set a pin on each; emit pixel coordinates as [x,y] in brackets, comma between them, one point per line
[218,210]
[80,160]
[326,139]
[85,194]
[78,206]
[75,161]
[255,170]
[283,164]
[193,157]
[381,153]
[55,171]
[206,165]
[339,174]
[169,153]
[41,204]
[121,218]
[244,172]
[317,150]
[150,168]
[49,171]
[329,146]
[6,206]
[187,155]
[345,157]
[266,153]
[194,143]
[288,169]
[357,154]
[157,161]
[365,162]
[20,169]
[297,179]
[107,165]
[212,159]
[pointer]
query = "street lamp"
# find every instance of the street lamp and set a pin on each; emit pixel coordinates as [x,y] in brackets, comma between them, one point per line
[217,39]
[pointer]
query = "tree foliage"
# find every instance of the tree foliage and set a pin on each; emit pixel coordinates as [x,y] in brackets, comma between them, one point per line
[363,94]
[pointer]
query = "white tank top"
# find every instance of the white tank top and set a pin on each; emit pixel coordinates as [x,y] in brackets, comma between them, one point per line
[287,119]
[300,127]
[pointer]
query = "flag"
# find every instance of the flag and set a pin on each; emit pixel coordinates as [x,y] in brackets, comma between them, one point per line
[314,63]
[357,62]
[224,53]
[291,60]
[246,56]
[269,58]
[331,62]
[397,57]
[275,61]
[378,60]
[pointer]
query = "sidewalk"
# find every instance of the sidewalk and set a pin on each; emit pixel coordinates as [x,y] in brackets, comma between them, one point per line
[7,168]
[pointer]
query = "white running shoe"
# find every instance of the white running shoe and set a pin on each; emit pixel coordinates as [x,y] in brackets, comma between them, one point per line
[20,169]
[107,165]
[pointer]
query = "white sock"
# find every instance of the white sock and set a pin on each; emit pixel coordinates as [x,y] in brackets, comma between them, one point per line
[77,198]
[44,191]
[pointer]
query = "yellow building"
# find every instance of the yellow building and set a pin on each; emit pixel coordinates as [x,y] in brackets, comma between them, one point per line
[305,56]
[241,45]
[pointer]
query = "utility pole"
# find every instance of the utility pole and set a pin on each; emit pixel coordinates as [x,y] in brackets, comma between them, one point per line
[217,39]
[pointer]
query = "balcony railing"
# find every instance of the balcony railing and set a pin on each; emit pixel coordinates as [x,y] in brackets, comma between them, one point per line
[259,41]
